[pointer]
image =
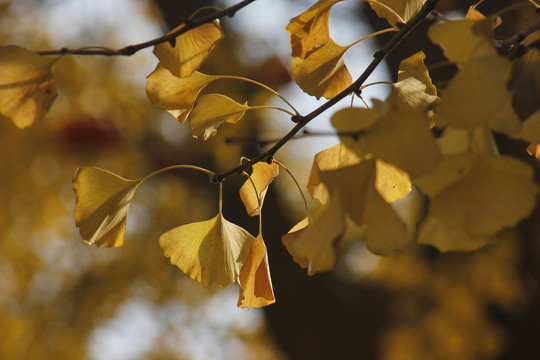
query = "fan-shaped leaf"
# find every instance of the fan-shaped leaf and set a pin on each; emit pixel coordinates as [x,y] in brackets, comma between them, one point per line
[211,111]
[405,9]
[254,280]
[414,87]
[262,176]
[211,251]
[27,86]
[190,50]
[103,200]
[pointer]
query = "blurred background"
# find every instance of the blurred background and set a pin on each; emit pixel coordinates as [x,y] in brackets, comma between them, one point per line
[62,299]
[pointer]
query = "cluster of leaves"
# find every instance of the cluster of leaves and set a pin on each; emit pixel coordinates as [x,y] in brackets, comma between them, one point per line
[390,177]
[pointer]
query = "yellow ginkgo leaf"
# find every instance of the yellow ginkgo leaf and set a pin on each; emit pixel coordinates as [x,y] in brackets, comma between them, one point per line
[333,158]
[319,241]
[190,50]
[103,200]
[461,39]
[400,137]
[391,182]
[323,72]
[475,200]
[414,88]
[27,86]
[212,110]
[254,280]
[174,94]
[396,10]
[384,230]
[465,103]
[262,176]
[211,251]
[291,237]
[309,30]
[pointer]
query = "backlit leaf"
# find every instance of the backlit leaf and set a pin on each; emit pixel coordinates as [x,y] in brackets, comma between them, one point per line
[174,94]
[399,137]
[291,237]
[254,279]
[212,110]
[27,86]
[190,50]
[211,251]
[323,73]
[318,242]
[333,158]
[262,176]
[475,198]
[309,30]
[103,200]
[414,87]
[406,9]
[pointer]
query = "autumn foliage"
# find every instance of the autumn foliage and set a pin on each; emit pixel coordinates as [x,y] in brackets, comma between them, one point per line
[420,167]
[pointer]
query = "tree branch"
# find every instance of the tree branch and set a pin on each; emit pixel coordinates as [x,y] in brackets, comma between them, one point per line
[302,121]
[132,49]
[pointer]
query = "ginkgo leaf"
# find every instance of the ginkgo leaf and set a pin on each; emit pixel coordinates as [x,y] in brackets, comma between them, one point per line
[401,10]
[475,200]
[103,200]
[309,30]
[333,158]
[254,279]
[466,103]
[174,94]
[400,137]
[319,241]
[414,87]
[190,50]
[27,86]
[461,38]
[391,182]
[262,176]
[211,251]
[212,110]
[384,230]
[323,72]
[291,237]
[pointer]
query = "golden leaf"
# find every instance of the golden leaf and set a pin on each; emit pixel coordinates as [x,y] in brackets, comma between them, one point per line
[399,137]
[211,251]
[103,200]
[254,279]
[475,197]
[405,9]
[309,30]
[317,243]
[323,72]
[262,176]
[414,87]
[290,238]
[391,182]
[27,86]
[333,158]
[466,103]
[212,110]
[174,94]
[461,39]
[190,50]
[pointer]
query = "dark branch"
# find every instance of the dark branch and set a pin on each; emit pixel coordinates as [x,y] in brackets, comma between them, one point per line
[511,45]
[132,49]
[302,121]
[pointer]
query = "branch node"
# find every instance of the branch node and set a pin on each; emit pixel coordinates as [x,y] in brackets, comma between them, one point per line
[400,25]
[172,41]
[378,54]
[269,159]
[296,118]
[358,92]
[215,179]
[129,50]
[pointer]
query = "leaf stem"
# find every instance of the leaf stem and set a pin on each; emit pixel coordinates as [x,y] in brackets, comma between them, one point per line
[210,173]
[232,77]
[297,185]
[392,29]
[271,107]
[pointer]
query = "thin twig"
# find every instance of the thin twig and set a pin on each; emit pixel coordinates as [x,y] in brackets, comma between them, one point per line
[132,49]
[302,121]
